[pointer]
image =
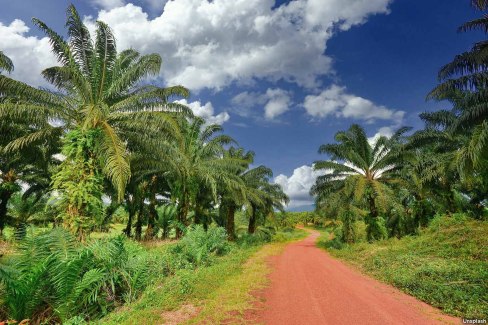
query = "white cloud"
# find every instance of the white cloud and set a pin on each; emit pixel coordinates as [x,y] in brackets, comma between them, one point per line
[350,12]
[211,44]
[29,54]
[206,112]
[297,186]
[337,102]
[278,103]
[275,102]
[108,4]
[386,131]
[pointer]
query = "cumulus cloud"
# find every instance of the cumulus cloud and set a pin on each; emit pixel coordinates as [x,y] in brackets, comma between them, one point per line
[108,4]
[29,54]
[206,112]
[275,102]
[278,103]
[210,44]
[337,102]
[297,186]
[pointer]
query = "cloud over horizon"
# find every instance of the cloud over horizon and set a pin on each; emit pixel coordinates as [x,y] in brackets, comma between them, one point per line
[298,185]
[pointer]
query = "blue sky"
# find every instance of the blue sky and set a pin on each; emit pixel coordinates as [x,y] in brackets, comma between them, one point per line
[282,77]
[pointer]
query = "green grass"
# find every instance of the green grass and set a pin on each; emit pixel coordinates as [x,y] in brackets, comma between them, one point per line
[445,266]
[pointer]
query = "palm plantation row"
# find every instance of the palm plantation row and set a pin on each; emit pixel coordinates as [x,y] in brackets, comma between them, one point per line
[398,183]
[101,137]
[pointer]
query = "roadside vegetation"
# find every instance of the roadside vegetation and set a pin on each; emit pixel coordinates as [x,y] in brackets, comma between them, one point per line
[445,265]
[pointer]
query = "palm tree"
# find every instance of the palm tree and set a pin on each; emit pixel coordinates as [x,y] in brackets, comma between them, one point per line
[31,165]
[100,96]
[98,88]
[442,163]
[362,172]
[464,81]
[262,196]
[232,199]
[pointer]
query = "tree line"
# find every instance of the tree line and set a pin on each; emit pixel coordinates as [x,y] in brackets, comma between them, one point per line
[100,138]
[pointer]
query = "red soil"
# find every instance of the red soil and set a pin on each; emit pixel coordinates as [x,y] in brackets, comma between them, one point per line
[309,287]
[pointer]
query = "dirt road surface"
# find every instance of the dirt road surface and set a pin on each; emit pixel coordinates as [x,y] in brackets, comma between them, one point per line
[310,287]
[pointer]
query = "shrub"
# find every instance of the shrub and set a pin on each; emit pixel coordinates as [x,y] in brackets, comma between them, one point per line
[248,240]
[376,228]
[198,246]
[56,278]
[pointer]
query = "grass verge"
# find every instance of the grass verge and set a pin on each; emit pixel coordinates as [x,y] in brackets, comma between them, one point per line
[445,266]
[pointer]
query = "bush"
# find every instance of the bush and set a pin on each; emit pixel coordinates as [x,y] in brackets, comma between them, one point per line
[248,240]
[198,246]
[376,228]
[53,277]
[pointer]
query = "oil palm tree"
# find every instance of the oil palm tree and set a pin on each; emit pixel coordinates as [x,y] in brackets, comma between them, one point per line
[99,95]
[442,161]
[262,196]
[465,81]
[232,199]
[97,88]
[362,172]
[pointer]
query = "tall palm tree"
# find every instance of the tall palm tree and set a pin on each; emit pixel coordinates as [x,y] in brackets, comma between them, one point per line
[97,88]
[442,162]
[362,172]
[100,95]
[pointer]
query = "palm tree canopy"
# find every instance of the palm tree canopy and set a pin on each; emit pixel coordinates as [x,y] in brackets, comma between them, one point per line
[357,167]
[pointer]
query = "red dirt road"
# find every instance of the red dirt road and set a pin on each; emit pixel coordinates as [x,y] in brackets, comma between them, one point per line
[309,287]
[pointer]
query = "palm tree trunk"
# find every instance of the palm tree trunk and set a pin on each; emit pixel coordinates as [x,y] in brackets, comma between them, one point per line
[128,227]
[151,220]
[131,211]
[182,213]
[372,207]
[4,198]
[230,226]
[198,214]
[252,220]
[138,230]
